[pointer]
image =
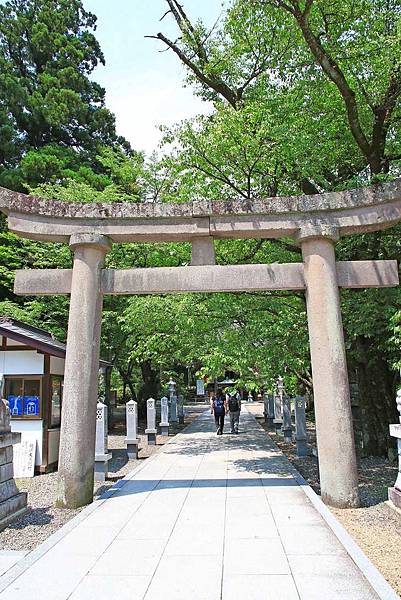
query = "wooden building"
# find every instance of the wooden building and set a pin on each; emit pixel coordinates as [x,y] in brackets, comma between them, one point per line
[32,363]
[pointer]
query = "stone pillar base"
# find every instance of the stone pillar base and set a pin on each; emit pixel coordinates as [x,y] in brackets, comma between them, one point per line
[101,467]
[132,449]
[277,425]
[302,448]
[269,421]
[394,496]
[181,420]
[164,429]
[287,433]
[151,435]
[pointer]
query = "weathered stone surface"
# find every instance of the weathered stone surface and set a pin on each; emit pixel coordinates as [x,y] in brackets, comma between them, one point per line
[335,439]
[287,424]
[12,505]
[208,278]
[6,440]
[361,197]
[164,411]
[78,422]
[6,455]
[300,426]
[5,426]
[394,496]
[364,209]
[7,489]
[203,251]
[6,472]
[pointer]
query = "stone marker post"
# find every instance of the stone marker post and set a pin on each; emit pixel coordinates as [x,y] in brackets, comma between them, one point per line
[265,406]
[287,424]
[270,409]
[180,409]
[78,417]
[164,424]
[102,455]
[151,421]
[173,401]
[278,405]
[131,418]
[13,503]
[335,440]
[394,493]
[300,426]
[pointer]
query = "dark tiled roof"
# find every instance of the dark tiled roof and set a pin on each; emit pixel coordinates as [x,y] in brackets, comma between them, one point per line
[36,338]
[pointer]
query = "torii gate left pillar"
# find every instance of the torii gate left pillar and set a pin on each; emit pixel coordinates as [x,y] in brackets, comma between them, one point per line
[75,471]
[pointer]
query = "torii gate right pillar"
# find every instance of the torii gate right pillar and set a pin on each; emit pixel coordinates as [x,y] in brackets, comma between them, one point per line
[334,427]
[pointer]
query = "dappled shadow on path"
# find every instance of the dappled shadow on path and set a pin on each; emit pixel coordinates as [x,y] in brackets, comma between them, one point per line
[139,486]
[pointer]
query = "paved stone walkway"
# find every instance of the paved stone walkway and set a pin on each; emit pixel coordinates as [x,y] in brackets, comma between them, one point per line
[207,518]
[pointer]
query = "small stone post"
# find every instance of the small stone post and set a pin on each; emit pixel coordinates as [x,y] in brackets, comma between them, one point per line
[13,503]
[151,422]
[180,409]
[250,397]
[265,406]
[164,424]
[102,455]
[394,493]
[270,410]
[334,425]
[173,401]
[78,417]
[132,440]
[278,405]
[300,426]
[287,424]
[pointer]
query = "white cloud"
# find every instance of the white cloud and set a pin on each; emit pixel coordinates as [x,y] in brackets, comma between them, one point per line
[143,103]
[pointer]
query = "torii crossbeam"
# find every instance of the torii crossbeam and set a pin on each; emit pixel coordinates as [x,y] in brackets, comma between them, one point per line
[316,222]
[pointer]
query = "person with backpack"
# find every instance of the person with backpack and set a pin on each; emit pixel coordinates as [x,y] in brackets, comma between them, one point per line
[234,408]
[219,411]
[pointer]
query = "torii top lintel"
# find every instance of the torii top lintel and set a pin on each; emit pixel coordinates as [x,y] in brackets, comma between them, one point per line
[344,213]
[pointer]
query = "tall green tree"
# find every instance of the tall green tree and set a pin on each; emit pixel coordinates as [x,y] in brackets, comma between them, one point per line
[52,115]
[321,83]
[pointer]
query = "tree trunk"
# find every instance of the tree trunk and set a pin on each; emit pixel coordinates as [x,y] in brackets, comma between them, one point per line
[151,381]
[377,391]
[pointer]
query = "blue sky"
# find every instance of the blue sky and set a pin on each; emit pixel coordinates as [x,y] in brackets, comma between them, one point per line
[144,87]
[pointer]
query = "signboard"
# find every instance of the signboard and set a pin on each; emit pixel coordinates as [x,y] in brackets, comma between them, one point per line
[15,403]
[200,387]
[24,457]
[31,406]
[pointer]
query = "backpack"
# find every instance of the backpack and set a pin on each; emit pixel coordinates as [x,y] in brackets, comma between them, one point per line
[218,406]
[233,405]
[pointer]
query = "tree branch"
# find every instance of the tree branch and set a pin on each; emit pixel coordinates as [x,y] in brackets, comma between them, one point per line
[215,83]
[333,71]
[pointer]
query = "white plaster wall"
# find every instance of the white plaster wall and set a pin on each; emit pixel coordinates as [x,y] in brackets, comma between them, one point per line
[33,430]
[11,342]
[21,362]
[57,365]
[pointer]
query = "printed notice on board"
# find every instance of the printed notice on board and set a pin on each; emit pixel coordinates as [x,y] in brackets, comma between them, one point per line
[24,457]
[200,387]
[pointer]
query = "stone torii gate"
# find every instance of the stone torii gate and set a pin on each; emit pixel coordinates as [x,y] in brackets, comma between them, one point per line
[316,222]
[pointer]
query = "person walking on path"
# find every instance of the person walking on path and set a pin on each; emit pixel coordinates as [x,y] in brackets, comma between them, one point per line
[219,411]
[234,408]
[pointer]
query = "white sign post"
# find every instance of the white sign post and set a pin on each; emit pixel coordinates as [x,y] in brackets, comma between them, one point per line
[24,457]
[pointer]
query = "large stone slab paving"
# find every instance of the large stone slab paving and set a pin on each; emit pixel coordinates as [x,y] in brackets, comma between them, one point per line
[206,518]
